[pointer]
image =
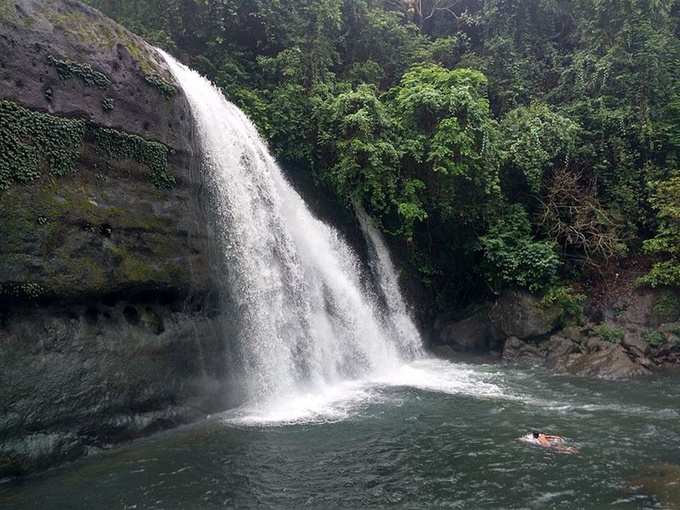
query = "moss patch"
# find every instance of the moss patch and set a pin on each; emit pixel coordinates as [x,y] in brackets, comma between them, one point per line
[34,143]
[67,69]
[117,145]
[107,104]
[21,290]
[10,15]
[159,83]
[31,142]
[609,333]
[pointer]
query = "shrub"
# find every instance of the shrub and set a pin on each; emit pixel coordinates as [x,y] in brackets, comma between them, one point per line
[609,333]
[667,307]
[654,338]
[512,257]
[666,201]
[569,301]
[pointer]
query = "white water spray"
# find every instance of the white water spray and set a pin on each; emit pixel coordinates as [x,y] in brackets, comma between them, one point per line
[306,326]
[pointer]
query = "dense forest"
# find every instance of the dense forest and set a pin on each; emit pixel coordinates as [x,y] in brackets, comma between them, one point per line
[503,143]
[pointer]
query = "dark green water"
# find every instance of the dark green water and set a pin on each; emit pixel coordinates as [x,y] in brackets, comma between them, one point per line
[448,440]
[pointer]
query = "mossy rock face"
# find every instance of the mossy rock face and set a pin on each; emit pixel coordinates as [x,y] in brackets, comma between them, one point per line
[67,58]
[98,192]
[103,227]
[106,296]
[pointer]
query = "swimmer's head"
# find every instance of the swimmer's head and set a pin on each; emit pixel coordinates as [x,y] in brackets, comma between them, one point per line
[535,434]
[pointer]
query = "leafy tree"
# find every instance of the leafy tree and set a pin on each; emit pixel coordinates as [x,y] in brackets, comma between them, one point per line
[512,258]
[434,114]
[666,201]
[448,138]
[535,140]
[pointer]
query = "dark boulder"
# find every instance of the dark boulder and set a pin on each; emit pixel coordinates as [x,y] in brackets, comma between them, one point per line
[582,356]
[610,361]
[472,334]
[522,315]
[520,351]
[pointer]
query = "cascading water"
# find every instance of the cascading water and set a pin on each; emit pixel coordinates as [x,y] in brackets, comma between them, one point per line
[305,323]
[399,321]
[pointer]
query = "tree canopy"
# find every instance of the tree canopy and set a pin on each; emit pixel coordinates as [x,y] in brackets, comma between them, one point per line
[503,143]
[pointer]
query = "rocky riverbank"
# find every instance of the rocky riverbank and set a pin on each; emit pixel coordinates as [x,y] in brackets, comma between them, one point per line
[635,335]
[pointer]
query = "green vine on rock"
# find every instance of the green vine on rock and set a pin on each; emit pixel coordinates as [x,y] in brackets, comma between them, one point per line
[21,290]
[117,145]
[31,142]
[159,83]
[67,69]
[107,104]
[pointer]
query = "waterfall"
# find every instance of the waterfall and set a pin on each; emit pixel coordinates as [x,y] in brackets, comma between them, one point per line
[305,321]
[399,321]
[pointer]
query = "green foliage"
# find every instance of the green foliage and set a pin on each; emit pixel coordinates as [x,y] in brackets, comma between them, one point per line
[666,201]
[535,140]
[118,145]
[568,300]
[357,130]
[421,113]
[609,333]
[32,143]
[448,136]
[654,338]
[35,143]
[513,258]
[107,104]
[67,69]
[667,307]
[166,89]
[21,290]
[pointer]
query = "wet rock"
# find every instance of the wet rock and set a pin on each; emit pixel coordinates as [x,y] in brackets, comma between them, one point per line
[645,307]
[519,351]
[668,354]
[607,362]
[473,334]
[114,332]
[519,314]
[590,357]
[560,351]
[36,451]
[444,352]
[633,340]
[71,379]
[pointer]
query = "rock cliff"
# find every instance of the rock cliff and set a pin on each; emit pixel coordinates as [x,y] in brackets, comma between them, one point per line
[108,322]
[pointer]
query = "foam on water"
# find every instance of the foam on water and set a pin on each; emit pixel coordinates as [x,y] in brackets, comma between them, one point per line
[350,398]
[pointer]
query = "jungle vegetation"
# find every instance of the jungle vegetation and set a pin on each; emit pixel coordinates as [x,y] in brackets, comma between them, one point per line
[502,143]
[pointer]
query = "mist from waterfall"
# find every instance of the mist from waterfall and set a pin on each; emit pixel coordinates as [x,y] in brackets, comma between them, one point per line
[306,322]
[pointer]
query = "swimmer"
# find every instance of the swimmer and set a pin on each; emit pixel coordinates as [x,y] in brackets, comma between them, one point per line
[549,441]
